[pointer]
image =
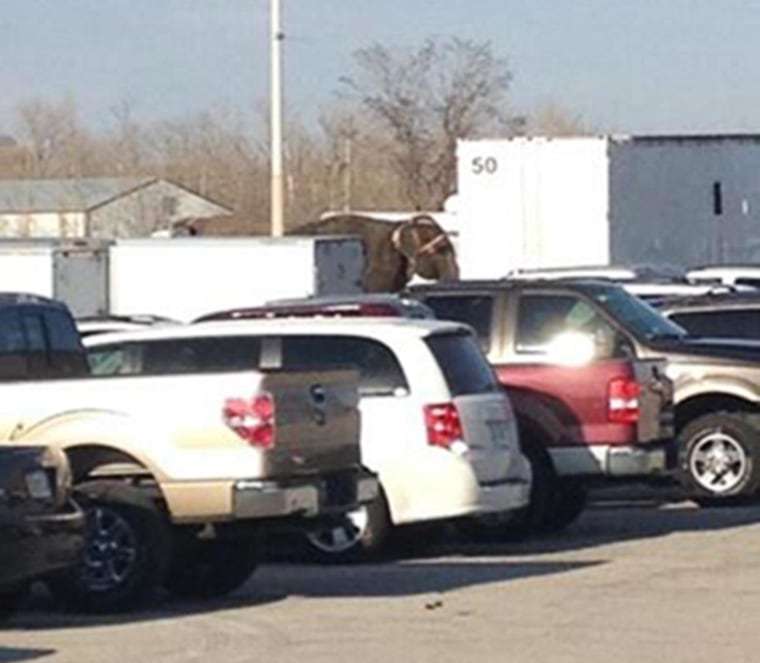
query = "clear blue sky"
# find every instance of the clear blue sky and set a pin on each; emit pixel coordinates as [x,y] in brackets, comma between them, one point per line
[634,66]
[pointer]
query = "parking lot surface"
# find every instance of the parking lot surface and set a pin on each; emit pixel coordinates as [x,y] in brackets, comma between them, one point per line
[633,582]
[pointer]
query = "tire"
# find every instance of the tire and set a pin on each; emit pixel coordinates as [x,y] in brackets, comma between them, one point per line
[10,598]
[205,569]
[126,553]
[570,498]
[519,524]
[361,535]
[719,458]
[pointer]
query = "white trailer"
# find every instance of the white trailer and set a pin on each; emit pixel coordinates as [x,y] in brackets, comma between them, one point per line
[659,200]
[185,277]
[74,271]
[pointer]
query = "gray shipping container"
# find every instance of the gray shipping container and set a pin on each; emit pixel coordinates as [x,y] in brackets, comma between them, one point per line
[74,271]
[556,202]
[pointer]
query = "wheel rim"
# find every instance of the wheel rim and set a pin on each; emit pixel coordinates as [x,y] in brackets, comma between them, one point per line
[343,537]
[718,462]
[111,551]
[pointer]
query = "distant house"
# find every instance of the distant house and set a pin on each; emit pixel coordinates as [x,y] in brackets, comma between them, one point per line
[102,207]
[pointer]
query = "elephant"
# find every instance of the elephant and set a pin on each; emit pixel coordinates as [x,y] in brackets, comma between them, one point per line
[394,250]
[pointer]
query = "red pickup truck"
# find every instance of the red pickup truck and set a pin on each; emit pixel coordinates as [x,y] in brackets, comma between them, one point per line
[588,410]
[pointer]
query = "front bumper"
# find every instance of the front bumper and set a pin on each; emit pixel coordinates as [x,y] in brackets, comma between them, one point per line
[614,461]
[327,495]
[34,545]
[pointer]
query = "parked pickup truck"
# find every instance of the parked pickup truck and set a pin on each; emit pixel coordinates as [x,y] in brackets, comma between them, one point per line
[436,426]
[588,408]
[41,529]
[179,474]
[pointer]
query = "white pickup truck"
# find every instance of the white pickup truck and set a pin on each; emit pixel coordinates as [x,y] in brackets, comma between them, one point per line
[180,475]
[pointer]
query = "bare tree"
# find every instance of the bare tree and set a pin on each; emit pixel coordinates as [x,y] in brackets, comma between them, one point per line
[449,88]
[57,144]
[212,155]
[553,119]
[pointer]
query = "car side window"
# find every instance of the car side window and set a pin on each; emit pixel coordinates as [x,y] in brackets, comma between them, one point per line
[113,359]
[62,332]
[12,337]
[200,355]
[380,373]
[35,331]
[475,310]
[542,318]
[13,350]
[722,324]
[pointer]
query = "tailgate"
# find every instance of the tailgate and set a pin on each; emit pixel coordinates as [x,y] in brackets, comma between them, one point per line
[317,424]
[656,400]
[490,432]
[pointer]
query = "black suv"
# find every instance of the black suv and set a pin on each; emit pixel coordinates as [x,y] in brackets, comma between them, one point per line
[38,339]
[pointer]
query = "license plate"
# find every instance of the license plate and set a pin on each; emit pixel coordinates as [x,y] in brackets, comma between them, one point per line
[38,485]
[498,431]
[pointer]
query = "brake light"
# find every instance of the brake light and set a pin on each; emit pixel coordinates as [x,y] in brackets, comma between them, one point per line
[623,401]
[252,419]
[444,428]
[378,311]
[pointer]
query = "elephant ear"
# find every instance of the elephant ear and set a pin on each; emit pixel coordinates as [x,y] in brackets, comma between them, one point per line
[406,239]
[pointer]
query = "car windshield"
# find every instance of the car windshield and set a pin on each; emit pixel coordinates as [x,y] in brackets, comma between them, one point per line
[638,316]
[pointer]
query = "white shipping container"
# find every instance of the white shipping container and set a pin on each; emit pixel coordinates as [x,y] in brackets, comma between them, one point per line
[672,200]
[183,278]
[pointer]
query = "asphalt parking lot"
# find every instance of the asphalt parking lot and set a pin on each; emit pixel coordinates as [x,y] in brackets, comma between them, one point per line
[632,582]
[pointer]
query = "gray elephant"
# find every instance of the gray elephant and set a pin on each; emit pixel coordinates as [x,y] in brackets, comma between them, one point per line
[394,250]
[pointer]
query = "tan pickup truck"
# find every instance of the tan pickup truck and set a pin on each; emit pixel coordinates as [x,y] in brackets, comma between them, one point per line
[180,474]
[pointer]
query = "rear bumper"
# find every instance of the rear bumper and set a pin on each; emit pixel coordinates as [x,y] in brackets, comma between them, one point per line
[331,494]
[614,460]
[32,546]
[449,489]
[508,495]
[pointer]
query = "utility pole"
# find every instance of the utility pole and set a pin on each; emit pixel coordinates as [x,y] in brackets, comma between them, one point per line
[347,145]
[277,181]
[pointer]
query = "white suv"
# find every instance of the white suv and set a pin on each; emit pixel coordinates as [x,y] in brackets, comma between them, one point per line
[436,426]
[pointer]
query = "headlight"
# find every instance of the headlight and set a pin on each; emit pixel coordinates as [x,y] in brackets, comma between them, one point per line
[38,485]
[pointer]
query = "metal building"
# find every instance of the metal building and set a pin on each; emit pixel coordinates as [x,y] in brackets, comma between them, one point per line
[99,207]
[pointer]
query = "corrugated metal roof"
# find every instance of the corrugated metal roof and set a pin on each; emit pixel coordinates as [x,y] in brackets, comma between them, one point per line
[64,195]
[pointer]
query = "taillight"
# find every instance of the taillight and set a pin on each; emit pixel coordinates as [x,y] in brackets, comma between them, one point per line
[623,401]
[252,419]
[444,428]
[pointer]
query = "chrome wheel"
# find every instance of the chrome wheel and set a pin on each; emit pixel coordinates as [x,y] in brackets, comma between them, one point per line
[342,537]
[111,551]
[718,462]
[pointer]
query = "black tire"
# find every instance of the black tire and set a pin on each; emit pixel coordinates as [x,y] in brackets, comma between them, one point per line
[10,599]
[570,498]
[530,519]
[209,568]
[360,536]
[126,554]
[719,458]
